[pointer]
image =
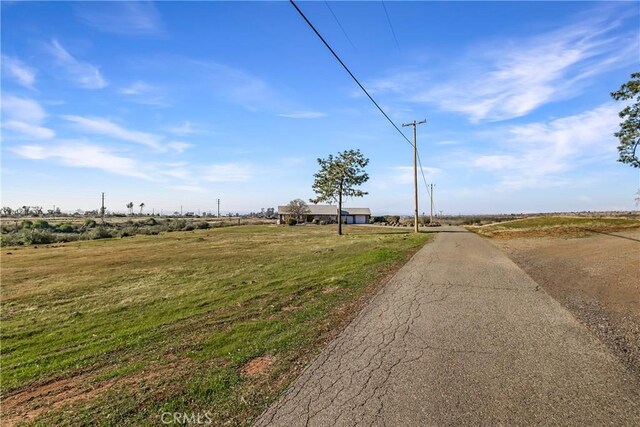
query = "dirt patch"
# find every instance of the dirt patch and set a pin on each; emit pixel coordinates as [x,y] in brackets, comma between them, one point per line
[257,366]
[596,277]
[27,404]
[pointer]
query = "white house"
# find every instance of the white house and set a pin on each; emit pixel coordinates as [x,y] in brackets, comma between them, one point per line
[329,213]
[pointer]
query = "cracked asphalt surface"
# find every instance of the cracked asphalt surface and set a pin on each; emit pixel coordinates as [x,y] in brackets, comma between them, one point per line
[461,335]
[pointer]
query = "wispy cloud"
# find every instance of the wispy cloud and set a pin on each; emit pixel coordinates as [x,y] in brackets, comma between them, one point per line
[179,146]
[24,118]
[122,17]
[83,74]
[15,69]
[240,87]
[538,154]
[226,172]
[186,128]
[101,126]
[189,188]
[80,154]
[510,78]
[303,115]
[144,93]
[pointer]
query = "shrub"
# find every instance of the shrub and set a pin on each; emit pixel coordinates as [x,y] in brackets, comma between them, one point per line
[292,221]
[150,221]
[65,228]
[41,224]
[177,224]
[323,222]
[26,224]
[202,225]
[392,218]
[99,233]
[90,223]
[38,237]
[127,232]
[188,227]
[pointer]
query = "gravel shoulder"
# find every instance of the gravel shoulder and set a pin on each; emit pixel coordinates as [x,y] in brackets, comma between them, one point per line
[461,335]
[597,278]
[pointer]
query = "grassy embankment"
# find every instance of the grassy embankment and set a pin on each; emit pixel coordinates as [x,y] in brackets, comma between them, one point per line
[117,331]
[560,226]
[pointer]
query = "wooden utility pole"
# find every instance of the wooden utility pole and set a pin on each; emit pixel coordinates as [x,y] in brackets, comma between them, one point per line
[431,214]
[415,169]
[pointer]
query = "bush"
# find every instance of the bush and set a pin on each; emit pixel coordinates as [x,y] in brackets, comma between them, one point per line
[188,227]
[38,237]
[316,221]
[127,232]
[292,221]
[150,221]
[323,222]
[392,218]
[90,223]
[26,224]
[99,233]
[41,224]
[202,225]
[176,224]
[65,228]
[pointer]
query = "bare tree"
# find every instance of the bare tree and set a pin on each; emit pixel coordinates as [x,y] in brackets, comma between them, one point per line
[297,208]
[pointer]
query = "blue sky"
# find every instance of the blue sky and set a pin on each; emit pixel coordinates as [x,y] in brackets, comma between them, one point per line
[176,103]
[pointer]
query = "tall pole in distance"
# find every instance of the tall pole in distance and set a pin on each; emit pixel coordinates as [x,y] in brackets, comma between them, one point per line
[102,208]
[218,208]
[431,214]
[415,170]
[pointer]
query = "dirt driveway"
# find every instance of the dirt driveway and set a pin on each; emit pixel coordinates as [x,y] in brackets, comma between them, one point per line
[596,277]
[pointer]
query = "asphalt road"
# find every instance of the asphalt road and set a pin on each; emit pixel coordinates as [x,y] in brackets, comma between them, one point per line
[461,336]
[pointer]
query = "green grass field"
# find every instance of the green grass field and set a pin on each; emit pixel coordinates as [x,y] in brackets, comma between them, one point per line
[556,225]
[120,330]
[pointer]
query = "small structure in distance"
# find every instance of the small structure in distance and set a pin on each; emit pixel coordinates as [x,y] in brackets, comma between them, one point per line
[329,214]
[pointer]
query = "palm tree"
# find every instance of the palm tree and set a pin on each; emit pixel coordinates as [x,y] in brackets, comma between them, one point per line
[130,207]
[141,206]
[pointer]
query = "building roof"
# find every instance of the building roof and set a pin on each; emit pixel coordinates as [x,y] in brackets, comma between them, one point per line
[328,210]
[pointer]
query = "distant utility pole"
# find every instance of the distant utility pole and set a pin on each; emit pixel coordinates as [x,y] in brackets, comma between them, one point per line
[180,210]
[102,208]
[415,168]
[431,214]
[218,208]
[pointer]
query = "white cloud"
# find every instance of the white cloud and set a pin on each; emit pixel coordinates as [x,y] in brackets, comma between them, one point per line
[303,115]
[17,70]
[81,73]
[178,146]
[80,154]
[137,88]
[240,87]
[28,130]
[184,129]
[538,154]
[24,117]
[404,174]
[226,172]
[105,127]
[510,78]
[189,188]
[144,93]
[122,17]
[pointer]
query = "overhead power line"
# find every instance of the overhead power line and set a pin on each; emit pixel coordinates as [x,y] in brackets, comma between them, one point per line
[360,84]
[386,12]
[349,71]
[339,24]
